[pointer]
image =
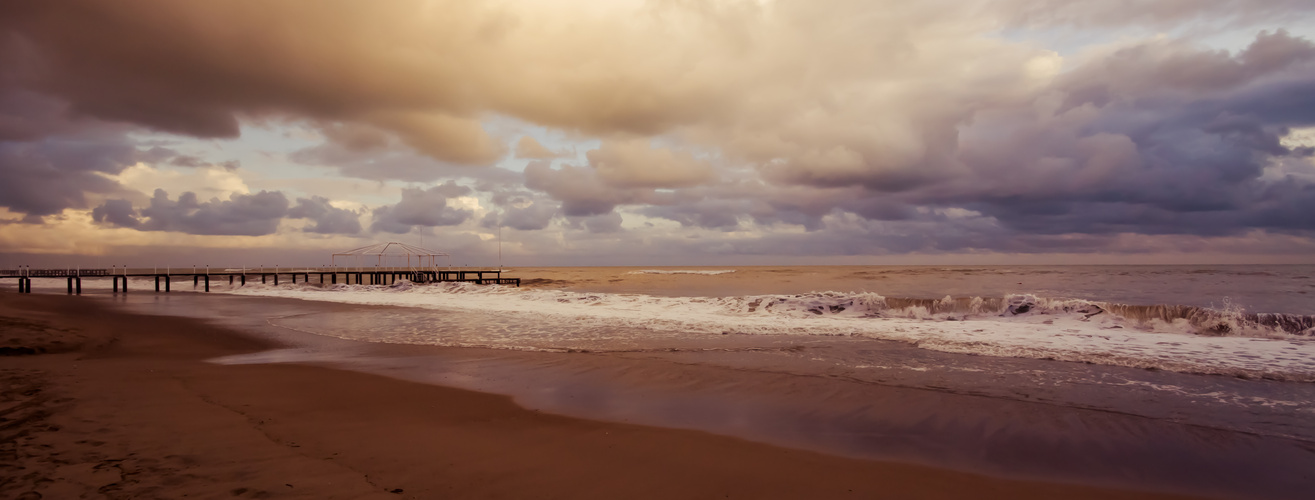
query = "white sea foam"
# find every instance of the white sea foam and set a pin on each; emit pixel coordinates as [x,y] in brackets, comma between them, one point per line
[1017,326]
[683,271]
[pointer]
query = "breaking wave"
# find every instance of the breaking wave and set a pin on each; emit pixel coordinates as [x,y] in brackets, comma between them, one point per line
[1167,337]
[683,271]
[1187,319]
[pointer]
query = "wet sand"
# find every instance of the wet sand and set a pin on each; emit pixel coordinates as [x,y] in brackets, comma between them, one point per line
[100,403]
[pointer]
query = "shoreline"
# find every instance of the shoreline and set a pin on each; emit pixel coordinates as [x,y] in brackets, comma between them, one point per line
[130,408]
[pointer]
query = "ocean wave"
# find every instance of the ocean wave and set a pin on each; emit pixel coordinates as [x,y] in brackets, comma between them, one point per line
[683,271]
[1167,337]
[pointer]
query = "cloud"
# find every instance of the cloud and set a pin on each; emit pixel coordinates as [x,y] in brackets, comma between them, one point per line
[529,148]
[710,214]
[240,215]
[383,163]
[192,161]
[521,210]
[578,188]
[117,213]
[1157,13]
[50,162]
[602,224]
[859,124]
[635,164]
[326,218]
[422,207]
[1155,153]
[225,61]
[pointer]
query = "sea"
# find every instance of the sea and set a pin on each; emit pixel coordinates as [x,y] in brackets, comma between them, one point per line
[1195,379]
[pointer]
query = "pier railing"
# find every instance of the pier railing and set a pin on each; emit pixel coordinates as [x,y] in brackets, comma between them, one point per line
[53,273]
[327,275]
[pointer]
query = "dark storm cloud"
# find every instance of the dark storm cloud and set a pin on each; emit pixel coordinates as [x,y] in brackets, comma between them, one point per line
[423,208]
[607,223]
[241,215]
[1157,152]
[708,214]
[578,188]
[1159,138]
[325,218]
[199,68]
[521,210]
[50,161]
[117,213]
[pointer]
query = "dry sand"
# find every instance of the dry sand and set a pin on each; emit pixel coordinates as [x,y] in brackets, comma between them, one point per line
[99,403]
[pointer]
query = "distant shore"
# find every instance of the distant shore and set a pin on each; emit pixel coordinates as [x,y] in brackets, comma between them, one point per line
[98,401]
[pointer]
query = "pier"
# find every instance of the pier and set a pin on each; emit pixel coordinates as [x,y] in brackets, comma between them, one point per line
[421,267]
[201,278]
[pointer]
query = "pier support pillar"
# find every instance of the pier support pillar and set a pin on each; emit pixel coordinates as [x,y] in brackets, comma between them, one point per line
[333,279]
[207,282]
[196,280]
[157,283]
[167,281]
[78,284]
[294,278]
[276,279]
[262,279]
[70,285]
[230,280]
[244,280]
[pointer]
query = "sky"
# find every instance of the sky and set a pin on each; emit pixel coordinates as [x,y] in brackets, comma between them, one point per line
[658,132]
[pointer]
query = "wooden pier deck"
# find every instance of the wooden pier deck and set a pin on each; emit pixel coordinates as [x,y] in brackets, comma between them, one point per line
[361,276]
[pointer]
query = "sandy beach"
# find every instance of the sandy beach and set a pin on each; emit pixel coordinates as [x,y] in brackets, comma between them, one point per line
[99,403]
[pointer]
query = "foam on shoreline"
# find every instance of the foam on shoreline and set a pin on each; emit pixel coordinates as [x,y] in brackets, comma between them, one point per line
[1181,339]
